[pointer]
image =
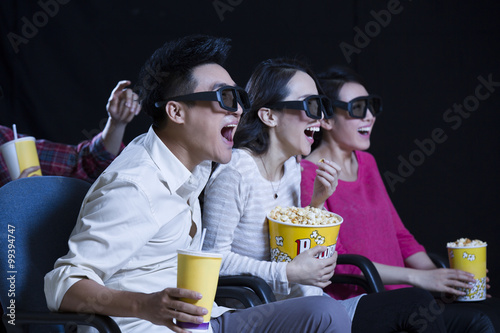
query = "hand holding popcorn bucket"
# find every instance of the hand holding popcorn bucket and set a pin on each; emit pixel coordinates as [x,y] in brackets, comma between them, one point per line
[470,256]
[294,230]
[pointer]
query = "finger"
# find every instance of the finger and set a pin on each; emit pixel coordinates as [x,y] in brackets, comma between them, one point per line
[459,275]
[136,106]
[316,250]
[181,315]
[454,291]
[323,284]
[331,164]
[170,324]
[113,98]
[27,171]
[129,96]
[183,293]
[325,178]
[459,284]
[120,86]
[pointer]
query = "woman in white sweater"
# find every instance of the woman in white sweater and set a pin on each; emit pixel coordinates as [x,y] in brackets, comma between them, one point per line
[287,107]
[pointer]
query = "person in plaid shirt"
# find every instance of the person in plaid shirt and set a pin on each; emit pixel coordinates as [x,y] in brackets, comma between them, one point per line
[90,157]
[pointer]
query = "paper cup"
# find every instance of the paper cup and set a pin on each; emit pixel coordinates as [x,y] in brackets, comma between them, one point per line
[19,155]
[471,259]
[289,240]
[198,271]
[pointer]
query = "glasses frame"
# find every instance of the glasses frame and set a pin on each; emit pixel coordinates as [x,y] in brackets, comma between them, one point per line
[239,94]
[349,105]
[325,105]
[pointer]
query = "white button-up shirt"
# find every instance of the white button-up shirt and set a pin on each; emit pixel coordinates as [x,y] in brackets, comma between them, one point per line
[132,221]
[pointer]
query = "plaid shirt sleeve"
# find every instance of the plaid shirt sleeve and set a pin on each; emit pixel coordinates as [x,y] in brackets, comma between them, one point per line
[84,161]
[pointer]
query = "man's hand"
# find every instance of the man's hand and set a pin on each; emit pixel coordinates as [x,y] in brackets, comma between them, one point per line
[27,171]
[162,307]
[123,103]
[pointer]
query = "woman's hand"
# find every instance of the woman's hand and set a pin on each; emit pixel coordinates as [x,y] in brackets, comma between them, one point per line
[307,269]
[325,183]
[443,280]
[162,307]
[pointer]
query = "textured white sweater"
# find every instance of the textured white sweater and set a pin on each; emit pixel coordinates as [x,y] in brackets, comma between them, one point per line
[237,199]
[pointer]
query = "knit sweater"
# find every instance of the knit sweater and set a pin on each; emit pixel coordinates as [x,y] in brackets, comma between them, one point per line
[371,226]
[236,201]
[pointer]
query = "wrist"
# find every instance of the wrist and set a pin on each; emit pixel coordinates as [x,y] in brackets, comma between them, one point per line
[290,272]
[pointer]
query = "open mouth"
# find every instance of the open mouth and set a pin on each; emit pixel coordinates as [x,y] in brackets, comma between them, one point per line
[309,132]
[364,130]
[227,132]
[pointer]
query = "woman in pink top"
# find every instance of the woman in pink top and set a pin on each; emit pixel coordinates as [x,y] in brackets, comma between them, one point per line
[371,225]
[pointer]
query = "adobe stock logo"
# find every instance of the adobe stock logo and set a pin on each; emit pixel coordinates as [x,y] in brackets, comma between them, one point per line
[222,6]
[454,117]
[29,30]
[372,29]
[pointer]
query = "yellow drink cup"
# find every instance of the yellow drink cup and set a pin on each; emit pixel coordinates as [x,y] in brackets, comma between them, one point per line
[19,155]
[470,259]
[288,240]
[198,271]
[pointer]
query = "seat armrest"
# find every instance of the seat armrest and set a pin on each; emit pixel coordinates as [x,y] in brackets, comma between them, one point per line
[371,281]
[254,283]
[103,324]
[438,260]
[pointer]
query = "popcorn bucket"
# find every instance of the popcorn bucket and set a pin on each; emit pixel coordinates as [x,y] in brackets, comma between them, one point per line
[288,240]
[472,259]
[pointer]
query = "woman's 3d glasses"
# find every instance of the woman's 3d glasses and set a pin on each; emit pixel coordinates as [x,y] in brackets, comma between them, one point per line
[313,105]
[228,97]
[358,106]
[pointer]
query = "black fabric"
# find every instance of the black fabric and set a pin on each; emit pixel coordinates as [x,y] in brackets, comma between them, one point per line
[485,314]
[402,310]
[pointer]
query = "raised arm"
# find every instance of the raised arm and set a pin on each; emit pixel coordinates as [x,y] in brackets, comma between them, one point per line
[122,107]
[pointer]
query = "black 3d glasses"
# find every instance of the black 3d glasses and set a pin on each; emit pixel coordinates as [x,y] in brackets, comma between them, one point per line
[228,97]
[358,106]
[313,105]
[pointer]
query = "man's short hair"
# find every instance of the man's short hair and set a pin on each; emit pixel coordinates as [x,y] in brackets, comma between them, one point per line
[168,72]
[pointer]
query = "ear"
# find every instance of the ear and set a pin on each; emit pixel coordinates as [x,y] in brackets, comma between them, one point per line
[268,117]
[175,112]
[327,124]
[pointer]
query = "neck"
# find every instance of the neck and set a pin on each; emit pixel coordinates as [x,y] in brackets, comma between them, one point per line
[346,159]
[270,164]
[177,145]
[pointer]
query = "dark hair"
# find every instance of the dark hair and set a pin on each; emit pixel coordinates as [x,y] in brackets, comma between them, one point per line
[168,72]
[266,86]
[332,81]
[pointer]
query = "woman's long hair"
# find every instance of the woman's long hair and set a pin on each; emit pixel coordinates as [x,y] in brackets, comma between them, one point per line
[267,85]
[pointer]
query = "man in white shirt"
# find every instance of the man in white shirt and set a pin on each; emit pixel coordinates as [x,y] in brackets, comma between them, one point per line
[122,253]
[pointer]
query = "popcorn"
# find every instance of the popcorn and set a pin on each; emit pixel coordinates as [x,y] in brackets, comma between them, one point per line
[304,216]
[466,242]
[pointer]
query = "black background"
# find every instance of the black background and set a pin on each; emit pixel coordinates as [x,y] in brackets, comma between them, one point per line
[423,58]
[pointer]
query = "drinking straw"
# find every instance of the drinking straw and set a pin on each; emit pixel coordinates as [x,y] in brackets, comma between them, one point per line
[14,128]
[203,233]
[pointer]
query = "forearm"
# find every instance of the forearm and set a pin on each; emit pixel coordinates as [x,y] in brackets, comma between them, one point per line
[112,135]
[395,274]
[272,272]
[87,296]
[420,260]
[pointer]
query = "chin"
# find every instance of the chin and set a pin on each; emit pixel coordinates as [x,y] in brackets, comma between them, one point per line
[224,158]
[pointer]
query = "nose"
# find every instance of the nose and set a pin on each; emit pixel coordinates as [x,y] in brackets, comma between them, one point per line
[239,112]
[369,114]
